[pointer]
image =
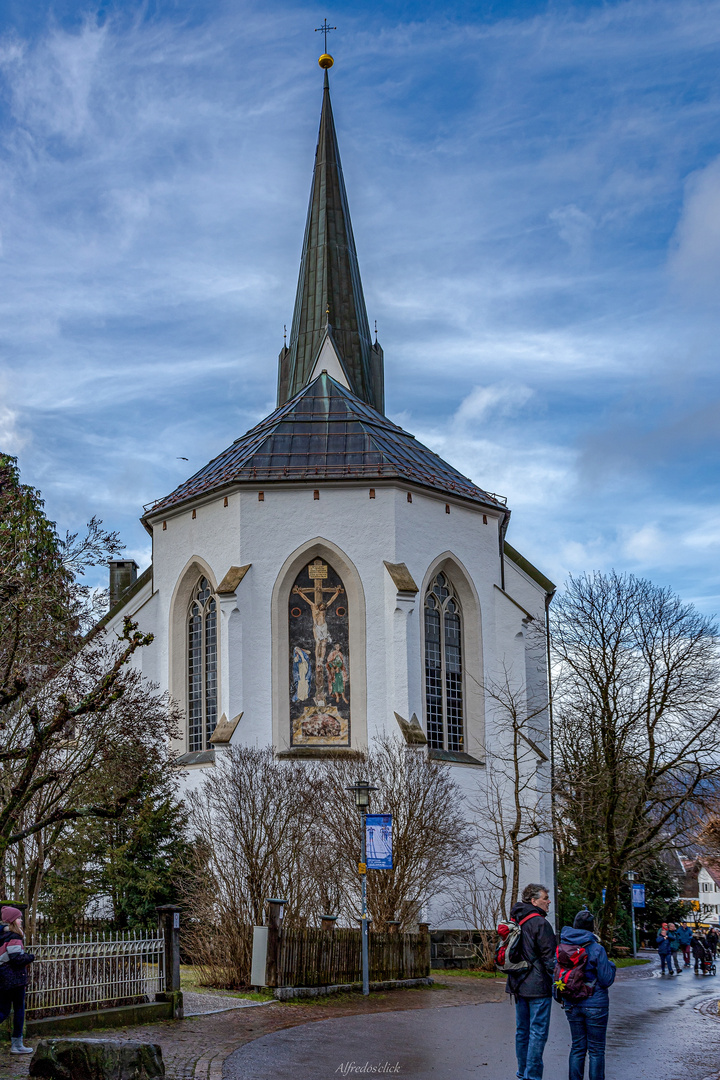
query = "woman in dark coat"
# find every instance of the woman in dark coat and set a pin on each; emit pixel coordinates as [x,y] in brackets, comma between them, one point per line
[14,963]
[588,1019]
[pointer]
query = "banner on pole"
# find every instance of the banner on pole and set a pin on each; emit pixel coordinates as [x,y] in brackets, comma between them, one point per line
[638,895]
[378,841]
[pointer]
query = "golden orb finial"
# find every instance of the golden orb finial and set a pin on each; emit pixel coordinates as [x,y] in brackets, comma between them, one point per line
[326,61]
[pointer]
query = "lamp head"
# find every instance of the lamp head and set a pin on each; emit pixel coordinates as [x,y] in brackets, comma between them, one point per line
[361,790]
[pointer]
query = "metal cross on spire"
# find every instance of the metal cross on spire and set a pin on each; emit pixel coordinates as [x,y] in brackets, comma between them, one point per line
[324,29]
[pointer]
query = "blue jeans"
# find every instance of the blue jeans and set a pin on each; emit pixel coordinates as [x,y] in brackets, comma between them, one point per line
[13,998]
[588,1028]
[532,1023]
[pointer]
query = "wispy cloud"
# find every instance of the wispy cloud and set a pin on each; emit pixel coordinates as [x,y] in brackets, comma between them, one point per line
[536,222]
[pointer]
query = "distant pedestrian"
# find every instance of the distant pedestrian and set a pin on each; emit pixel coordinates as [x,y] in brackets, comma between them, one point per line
[674,936]
[700,951]
[665,952]
[532,988]
[711,939]
[685,936]
[586,1008]
[14,963]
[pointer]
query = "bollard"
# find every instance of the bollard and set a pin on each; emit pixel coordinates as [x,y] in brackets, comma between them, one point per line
[169,924]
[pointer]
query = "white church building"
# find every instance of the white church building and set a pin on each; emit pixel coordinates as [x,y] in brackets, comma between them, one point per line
[327,577]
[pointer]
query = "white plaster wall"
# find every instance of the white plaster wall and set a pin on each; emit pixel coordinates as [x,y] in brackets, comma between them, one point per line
[368,532]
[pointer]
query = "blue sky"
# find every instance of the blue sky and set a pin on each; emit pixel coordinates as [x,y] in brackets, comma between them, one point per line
[535,191]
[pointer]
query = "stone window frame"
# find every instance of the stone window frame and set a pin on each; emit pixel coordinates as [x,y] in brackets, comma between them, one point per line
[194,569]
[321,548]
[451,740]
[208,613]
[472,646]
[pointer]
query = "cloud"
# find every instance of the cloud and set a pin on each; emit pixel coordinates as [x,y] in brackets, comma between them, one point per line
[574,226]
[500,399]
[513,215]
[694,259]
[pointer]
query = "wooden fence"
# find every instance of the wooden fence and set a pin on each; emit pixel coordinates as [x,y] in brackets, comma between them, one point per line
[309,957]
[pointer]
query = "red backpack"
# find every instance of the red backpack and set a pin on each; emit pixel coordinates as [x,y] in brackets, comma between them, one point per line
[508,955]
[569,982]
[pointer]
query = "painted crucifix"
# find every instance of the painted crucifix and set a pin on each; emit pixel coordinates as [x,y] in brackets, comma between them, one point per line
[315,596]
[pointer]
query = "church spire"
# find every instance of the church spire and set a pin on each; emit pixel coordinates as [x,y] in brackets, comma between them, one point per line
[329,298]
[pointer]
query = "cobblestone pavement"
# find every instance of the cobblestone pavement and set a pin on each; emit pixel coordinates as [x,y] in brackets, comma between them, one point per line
[197,1047]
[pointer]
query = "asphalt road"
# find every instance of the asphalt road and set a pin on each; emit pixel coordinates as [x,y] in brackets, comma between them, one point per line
[660,1029]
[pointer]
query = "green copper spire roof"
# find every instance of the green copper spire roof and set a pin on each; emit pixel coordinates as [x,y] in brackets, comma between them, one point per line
[329,301]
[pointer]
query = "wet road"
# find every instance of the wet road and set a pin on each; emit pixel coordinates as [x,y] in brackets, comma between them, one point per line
[660,1029]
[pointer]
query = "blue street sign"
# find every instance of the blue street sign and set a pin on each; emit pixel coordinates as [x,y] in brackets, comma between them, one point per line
[378,841]
[604,891]
[638,895]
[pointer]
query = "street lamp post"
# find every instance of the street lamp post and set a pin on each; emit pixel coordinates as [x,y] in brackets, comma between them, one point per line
[361,791]
[631,875]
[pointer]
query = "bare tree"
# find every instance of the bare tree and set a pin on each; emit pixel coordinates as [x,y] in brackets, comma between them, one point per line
[511,808]
[636,715]
[430,833]
[267,827]
[77,721]
[80,748]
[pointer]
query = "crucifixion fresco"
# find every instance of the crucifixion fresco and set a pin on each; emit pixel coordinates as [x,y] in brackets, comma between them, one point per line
[319,658]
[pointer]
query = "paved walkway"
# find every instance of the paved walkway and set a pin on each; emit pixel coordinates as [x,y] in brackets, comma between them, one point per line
[660,1029]
[663,1029]
[195,1048]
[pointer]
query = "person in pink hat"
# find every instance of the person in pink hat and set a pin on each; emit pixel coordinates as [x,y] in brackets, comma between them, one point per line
[14,963]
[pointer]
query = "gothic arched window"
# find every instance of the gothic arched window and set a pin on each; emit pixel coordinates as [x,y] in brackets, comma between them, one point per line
[443,666]
[202,666]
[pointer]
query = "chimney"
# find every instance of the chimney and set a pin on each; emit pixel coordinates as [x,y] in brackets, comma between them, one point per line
[123,574]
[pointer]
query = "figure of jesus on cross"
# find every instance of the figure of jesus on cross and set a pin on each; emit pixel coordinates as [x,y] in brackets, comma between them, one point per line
[318,572]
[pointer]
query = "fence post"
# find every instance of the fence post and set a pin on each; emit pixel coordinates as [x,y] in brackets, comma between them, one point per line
[424,929]
[275,910]
[327,922]
[169,923]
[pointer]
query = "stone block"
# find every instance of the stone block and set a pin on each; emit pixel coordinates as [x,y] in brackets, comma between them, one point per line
[97,1059]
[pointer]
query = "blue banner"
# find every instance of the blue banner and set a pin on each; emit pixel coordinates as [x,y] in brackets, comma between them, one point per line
[638,895]
[378,841]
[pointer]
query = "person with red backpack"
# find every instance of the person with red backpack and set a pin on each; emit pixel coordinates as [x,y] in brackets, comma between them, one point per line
[583,974]
[529,963]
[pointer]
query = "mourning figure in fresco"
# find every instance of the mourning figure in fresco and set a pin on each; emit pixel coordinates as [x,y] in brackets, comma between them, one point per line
[319,680]
[336,674]
[301,674]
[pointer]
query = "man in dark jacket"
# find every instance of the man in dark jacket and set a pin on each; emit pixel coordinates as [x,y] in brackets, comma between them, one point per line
[712,938]
[532,988]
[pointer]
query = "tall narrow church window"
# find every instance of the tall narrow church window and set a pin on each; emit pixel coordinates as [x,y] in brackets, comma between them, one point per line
[443,667]
[319,682]
[202,666]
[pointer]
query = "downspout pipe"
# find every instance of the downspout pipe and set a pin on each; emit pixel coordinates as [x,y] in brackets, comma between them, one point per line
[548,600]
[502,531]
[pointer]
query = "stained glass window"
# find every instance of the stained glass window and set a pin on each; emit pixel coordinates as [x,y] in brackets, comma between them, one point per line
[443,667]
[202,666]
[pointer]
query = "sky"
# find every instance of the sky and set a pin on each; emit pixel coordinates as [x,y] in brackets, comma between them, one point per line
[535,195]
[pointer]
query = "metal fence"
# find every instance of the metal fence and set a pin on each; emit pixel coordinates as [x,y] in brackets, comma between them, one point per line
[94,971]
